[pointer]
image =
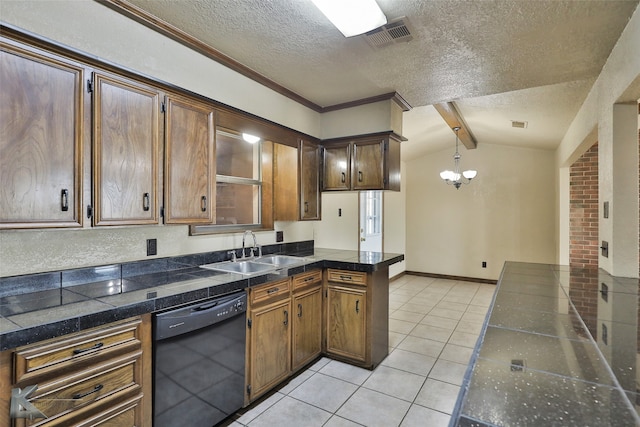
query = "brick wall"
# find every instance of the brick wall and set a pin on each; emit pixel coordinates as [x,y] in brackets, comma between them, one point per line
[583,211]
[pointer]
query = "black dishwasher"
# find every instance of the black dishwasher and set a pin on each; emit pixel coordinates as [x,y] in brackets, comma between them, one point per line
[199,359]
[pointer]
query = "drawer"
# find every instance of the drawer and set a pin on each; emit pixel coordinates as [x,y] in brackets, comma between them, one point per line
[270,291]
[76,351]
[70,393]
[304,279]
[352,277]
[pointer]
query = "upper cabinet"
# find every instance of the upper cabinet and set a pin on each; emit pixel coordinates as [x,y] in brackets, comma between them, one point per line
[337,166]
[190,168]
[285,183]
[309,180]
[296,182]
[125,137]
[41,127]
[370,162]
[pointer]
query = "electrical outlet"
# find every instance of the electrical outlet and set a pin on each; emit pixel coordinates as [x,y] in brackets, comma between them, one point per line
[279,236]
[152,247]
[484,264]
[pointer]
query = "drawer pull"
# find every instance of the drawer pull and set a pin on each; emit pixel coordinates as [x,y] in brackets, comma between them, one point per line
[359,176]
[83,395]
[145,202]
[357,306]
[299,310]
[272,291]
[83,350]
[203,204]
[286,318]
[309,279]
[346,277]
[64,200]
[344,177]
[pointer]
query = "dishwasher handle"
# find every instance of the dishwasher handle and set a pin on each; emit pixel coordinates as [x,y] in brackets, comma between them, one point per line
[197,316]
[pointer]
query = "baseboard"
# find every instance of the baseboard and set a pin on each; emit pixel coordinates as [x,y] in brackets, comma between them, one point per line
[449,277]
[397,276]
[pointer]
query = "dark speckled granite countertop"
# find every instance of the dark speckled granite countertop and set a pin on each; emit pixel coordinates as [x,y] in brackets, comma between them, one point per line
[559,347]
[47,305]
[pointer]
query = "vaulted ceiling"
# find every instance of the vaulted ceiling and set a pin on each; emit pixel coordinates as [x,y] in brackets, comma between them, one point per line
[498,60]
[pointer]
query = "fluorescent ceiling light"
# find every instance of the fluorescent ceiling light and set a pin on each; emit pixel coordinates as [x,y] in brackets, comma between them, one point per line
[352,17]
[251,139]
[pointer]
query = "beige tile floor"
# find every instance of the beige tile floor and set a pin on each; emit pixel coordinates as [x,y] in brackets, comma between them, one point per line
[433,327]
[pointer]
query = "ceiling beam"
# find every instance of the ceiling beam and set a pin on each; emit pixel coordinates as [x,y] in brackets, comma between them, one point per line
[454,119]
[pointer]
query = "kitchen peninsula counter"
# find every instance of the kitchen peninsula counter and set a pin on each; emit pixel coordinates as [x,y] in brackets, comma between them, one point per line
[42,306]
[559,347]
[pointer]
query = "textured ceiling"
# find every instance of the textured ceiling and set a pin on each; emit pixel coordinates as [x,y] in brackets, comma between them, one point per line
[500,60]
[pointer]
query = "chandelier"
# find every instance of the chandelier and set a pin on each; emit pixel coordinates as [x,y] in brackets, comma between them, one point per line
[454,176]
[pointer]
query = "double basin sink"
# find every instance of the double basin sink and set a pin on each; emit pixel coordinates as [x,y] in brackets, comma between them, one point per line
[260,265]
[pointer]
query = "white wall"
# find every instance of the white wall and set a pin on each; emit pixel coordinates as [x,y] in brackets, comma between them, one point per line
[335,231]
[507,213]
[618,83]
[394,217]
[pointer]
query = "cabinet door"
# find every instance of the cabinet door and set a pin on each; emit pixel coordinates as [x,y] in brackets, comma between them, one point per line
[125,137]
[307,327]
[285,183]
[41,125]
[309,181]
[337,167]
[190,166]
[368,165]
[270,346]
[346,322]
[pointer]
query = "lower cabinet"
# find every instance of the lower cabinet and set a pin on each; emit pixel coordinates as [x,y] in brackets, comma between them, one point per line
[346,322]
[306,335]
[357,321]
[268,337]
[99,377]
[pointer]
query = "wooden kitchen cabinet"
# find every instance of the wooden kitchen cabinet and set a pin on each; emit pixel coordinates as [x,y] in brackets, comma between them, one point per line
[357,321]
[337,166]
[190,168]
[286,194]
[369,162]
[41,134]
[98,377]
[125,137]
[306,335]
[309,180]
[346,322]
[296,182]
[268,337]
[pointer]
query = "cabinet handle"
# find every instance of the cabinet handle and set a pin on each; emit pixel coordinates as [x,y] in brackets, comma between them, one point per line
[299,310]
[346,277]
[286,318]
[84,350]
[306,207]
[344,177]
[359,176]
[145,202]
[82,395]
[272,291]
[64,200]
[357,306]
[203,204]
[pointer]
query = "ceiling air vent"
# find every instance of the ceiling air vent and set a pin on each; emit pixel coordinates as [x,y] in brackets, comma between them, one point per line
[396,31]
[517,124]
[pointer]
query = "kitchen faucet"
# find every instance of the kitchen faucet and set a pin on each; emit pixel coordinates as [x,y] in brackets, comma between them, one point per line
[255,245]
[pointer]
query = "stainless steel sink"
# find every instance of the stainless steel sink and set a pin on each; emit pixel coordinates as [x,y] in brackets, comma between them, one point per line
[245,268]
[280,260]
